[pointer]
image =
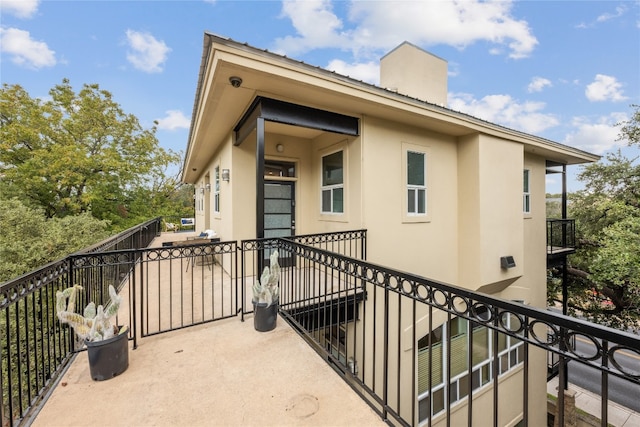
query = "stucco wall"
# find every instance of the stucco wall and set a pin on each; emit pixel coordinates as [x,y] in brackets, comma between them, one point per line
[426,245]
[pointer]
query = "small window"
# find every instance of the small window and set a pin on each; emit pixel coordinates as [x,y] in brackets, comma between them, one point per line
[216,190]
[526,196]
[333,183]
[416,183]
[274,168]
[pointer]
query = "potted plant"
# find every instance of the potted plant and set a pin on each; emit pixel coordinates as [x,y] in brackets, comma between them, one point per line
[266,297]
[107,344]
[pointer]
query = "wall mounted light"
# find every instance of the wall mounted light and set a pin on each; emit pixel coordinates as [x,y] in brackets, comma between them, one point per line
[225,175]
[507,262]
[279,148]
[202,190]
[208,186]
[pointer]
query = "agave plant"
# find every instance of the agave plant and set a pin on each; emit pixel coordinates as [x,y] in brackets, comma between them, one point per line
[266,289]
[95,323]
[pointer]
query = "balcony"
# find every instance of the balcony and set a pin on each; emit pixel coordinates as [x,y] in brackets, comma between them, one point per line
[561,238]
[394,348]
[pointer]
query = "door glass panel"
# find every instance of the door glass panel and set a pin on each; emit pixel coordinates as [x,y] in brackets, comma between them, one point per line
[276,232]
[277,191]
[277,206]
[277,221]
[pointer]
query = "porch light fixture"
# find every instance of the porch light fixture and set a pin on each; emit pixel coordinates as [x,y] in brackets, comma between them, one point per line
[279,148]
[208,187]
[225,175]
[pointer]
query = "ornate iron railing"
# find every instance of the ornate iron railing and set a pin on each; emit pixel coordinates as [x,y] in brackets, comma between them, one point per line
[418,351]
[34,347]
[370,320]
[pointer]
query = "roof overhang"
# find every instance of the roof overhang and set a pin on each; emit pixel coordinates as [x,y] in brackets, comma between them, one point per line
[219,105]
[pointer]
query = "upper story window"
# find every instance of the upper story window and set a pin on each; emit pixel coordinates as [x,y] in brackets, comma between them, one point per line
[526,194]
[416,183]
[216,189]
[333,183]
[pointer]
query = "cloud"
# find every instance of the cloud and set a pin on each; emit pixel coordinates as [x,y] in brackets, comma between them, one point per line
[147,54]
[506,111]
[537,84]
[173,120]
[596,136]
[605,88]
[619,11]
[19,8]
[316,24]
[367,72]
[375,27]
[25,51]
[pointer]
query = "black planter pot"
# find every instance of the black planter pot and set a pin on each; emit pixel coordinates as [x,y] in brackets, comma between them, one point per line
[109,358]
[265,317]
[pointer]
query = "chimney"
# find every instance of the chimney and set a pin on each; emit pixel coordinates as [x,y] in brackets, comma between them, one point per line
[414,72]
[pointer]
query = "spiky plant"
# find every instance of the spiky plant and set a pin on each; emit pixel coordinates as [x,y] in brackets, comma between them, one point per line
[95,323]
[266,289]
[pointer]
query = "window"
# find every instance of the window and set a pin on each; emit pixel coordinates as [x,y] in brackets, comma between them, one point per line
[416,183]
[434,363]
[274,168]
[216,190]
[526,195]
[333,183]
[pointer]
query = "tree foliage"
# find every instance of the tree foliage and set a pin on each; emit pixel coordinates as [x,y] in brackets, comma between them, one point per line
[29,239]
[80,152]
[604,274]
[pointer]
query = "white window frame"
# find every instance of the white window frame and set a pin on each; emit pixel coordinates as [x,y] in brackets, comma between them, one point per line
[216,189]
[413,190]
[509,358]
[526,191]
[333,187]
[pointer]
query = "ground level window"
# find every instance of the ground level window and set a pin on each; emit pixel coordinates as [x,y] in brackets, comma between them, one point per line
[435,356]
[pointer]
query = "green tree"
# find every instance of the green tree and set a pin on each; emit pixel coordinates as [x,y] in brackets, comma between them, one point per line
[604,274]
[80,152]
[29,239]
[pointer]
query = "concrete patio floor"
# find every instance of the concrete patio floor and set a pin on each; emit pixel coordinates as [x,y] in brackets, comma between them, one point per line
[218,374]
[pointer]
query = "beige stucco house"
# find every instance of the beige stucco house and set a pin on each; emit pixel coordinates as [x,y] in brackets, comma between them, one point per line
[280,147]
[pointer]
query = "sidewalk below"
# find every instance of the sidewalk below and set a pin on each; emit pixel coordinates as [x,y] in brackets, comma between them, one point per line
[590,403]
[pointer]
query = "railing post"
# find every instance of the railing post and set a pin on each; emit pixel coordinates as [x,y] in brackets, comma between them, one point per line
[385,378]
[132,293]
[604,410]
[241,278]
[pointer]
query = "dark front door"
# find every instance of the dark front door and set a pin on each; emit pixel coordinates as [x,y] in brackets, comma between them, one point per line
[279,212]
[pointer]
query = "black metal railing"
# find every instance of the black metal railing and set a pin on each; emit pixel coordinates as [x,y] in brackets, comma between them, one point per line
[186,285]
[561,236]
[34,347]
[373,323]
[256,252]
[418,351]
